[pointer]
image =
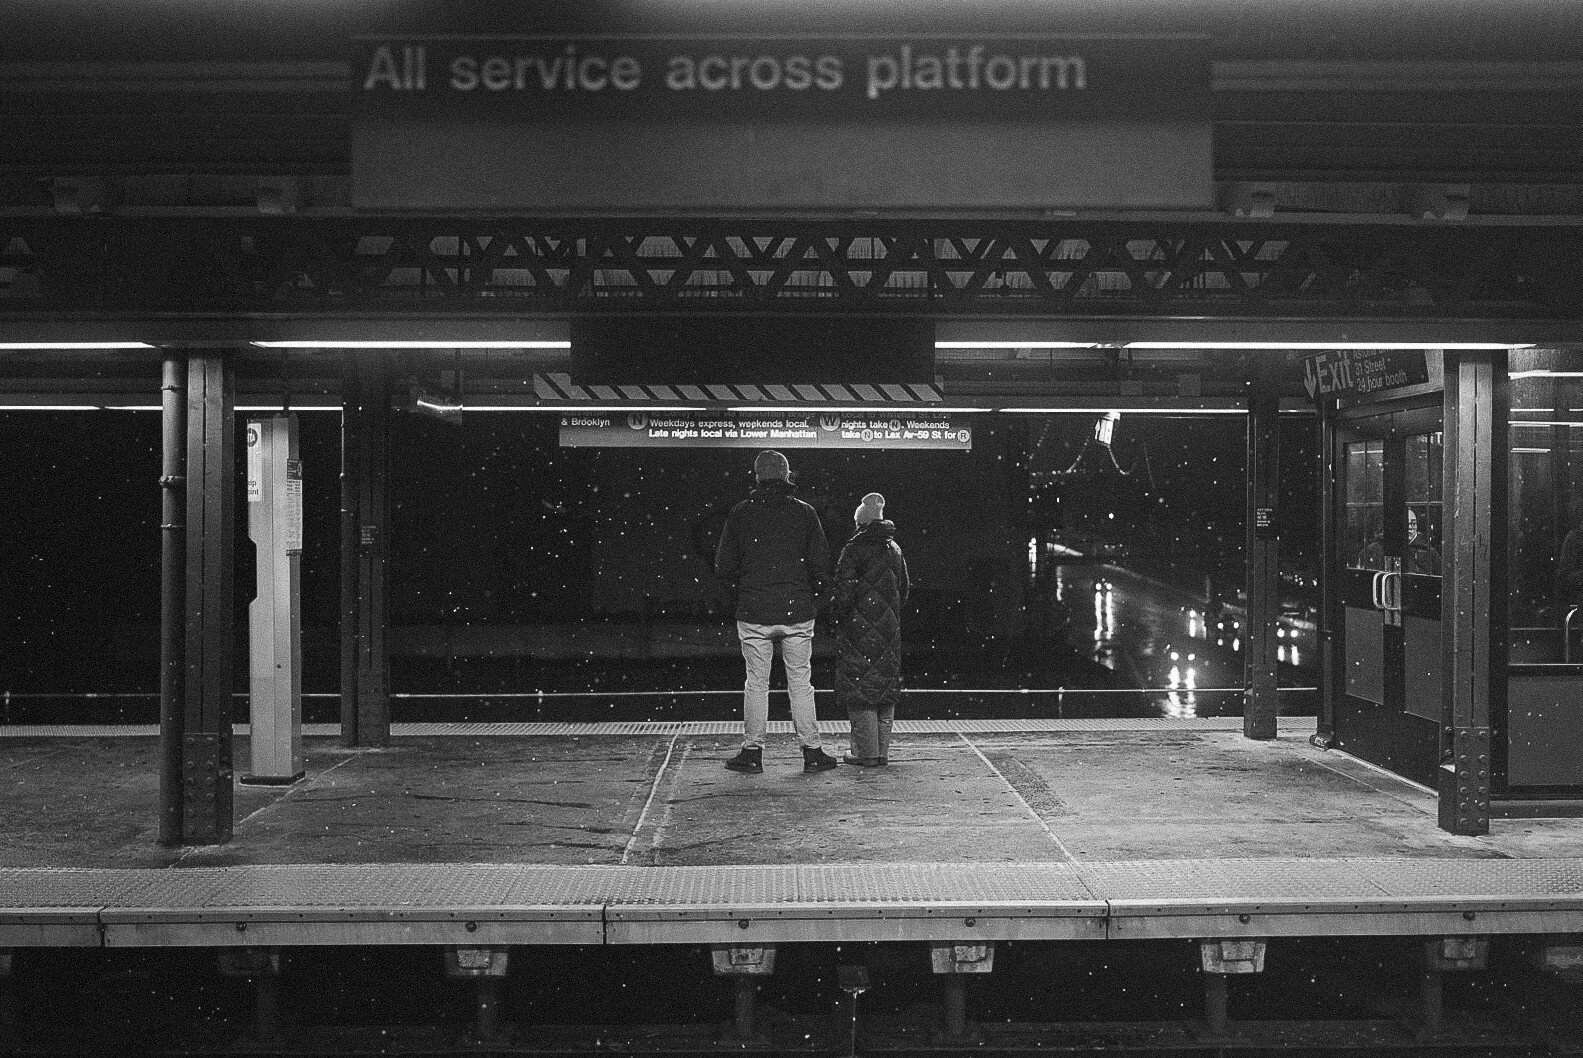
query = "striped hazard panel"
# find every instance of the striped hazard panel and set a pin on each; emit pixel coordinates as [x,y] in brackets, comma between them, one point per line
[559,386]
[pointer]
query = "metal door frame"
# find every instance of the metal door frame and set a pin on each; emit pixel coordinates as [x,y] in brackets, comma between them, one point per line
[1393,421]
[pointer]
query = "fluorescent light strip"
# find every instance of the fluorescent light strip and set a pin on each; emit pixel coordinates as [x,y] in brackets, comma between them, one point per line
[579,407]
[1546,373]
[1016,345]
[1123,411]
[1325,345]
[915,408]
[75,345]
[50,407]
[278,407]
[503,344]
[1551,422]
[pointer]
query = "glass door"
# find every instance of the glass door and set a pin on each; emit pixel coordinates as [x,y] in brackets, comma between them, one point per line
[1388,569]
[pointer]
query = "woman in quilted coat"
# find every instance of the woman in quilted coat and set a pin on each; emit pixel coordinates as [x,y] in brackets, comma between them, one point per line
[870,587]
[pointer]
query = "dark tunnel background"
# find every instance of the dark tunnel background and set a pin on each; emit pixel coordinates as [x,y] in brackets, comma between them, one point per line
[535,582]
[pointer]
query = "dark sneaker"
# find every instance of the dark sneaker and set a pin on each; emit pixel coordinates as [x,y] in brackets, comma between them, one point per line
[862,762]
[817,760]
[749,761]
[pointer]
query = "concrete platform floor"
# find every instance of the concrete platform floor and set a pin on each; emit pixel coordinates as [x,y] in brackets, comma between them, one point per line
[1084,795]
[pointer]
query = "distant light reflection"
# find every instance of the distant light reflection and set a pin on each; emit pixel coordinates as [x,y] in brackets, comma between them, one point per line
[1104,613]
[1180,700]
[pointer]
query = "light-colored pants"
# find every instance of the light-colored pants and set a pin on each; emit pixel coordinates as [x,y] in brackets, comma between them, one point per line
[758,651]
[871,731]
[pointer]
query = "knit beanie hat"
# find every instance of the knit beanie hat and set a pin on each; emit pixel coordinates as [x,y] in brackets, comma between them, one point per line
[871,509]
[771,466]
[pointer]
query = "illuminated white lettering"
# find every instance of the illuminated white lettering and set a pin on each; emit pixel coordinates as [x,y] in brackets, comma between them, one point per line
[464,73]
[625,73]
[382,71]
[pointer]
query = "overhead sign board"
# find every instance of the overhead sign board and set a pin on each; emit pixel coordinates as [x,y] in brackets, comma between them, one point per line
[642,123]
[919,431]
[1357,374]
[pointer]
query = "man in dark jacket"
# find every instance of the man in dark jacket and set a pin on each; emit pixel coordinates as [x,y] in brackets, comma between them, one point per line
[774,559]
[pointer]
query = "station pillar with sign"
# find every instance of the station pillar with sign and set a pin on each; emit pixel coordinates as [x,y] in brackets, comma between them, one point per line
[274,524]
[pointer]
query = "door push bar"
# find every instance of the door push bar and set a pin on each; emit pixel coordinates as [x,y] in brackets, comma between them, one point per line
[1387,593]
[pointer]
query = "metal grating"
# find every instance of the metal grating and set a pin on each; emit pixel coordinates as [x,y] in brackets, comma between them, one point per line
[957,883]
[59,887]
[366,886]
[1214,882]
[1475,879]
[1351,894]
[704,886]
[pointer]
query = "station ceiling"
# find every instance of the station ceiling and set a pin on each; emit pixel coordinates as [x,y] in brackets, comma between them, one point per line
[1358,108]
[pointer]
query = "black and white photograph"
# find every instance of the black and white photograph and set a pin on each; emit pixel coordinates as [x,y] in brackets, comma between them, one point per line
[806,528]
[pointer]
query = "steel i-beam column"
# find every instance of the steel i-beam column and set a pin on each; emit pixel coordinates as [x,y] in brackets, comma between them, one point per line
[348,548]
[1219,959]
[1332,672]
[365,669]
[953,961]
[486,968]
[1260,706]
[262,967]
[1473,592]
[1443,955]
[744,965]
[206,806]
[172,595]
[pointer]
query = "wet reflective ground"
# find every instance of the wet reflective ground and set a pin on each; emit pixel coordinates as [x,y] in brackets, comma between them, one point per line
[1095,641]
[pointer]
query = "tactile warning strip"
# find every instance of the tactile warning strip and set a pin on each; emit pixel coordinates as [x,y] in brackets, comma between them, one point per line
[1355,896]
[1495,879]
[1218,882]
[995,883]
[708,886]
[47,887]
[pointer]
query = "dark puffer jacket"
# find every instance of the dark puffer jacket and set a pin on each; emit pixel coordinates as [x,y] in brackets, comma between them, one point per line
[870,587]
[773,557]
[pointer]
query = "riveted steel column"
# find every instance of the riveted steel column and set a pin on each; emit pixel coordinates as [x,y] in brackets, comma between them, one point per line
[365,668]
[210,634]
[1260,674]
[954,961]
[1219,959]
[1473,591]
[172,594]
[1332,672]
[486,968]
[262,967]
[348,548]
[744,965]
[1441,955]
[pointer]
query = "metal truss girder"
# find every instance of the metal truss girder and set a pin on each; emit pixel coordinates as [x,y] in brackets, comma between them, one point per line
[917,267]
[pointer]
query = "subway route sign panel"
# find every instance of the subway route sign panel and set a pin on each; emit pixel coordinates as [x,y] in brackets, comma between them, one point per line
[914,430]
[614,124]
